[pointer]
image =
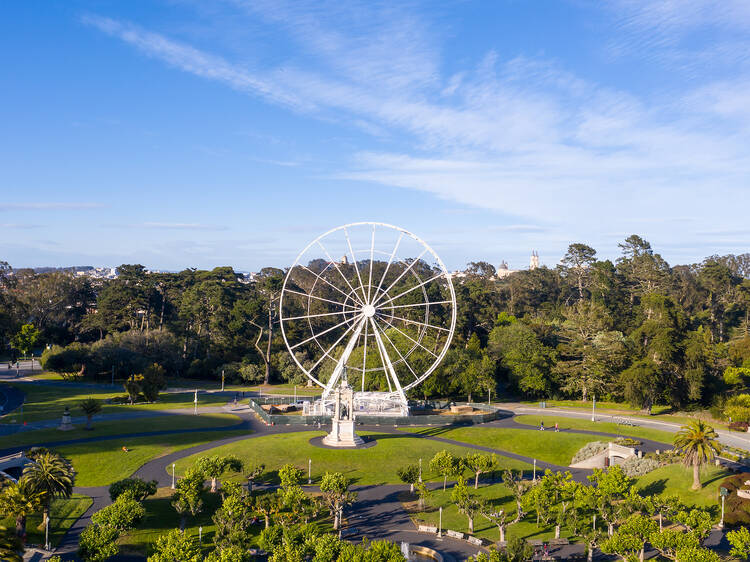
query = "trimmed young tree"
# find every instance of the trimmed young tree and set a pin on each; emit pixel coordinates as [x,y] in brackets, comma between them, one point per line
[423,492]
[409,474]
[252,473]
[176,546]
[513,480]
[138,488]
[122,515]
[740,541]
[465,501]
[90,407]
[699,445]
[497,518]
[188,496]
[444,464]
[479,464]
[215,466]
[335,488]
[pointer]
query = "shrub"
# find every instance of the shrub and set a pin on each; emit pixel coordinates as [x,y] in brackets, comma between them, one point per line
[739,426]
[627,442]
[738,408]
[140,489]
[634,466]
[589,450]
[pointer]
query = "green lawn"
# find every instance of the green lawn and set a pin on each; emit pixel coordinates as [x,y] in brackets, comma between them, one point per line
[102,462]
[677,479]
[548,446]
[606,427]
[375,465]
[64,513]
[45,402]
[118,427]
[496,494]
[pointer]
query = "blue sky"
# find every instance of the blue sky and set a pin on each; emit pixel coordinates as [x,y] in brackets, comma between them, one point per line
[195,134]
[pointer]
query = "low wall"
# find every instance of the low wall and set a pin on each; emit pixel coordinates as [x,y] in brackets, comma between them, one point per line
[491,413]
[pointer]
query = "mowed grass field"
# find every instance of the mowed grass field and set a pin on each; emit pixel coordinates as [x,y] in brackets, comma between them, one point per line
[374,465]
[676,479]
[548,446]
[120,427]
[100,463]
[605,427]
[48,401]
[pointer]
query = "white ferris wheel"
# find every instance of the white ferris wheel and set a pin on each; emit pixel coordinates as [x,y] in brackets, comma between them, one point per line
[370,304]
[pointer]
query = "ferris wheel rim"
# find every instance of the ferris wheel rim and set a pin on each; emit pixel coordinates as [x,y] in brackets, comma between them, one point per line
[444,274]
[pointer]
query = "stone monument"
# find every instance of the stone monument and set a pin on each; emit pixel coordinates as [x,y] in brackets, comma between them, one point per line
[342,433]
[66,424]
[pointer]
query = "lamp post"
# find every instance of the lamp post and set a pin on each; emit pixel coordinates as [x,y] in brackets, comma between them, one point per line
[195,403]
[420,469]
[113,375]
[200,536]
[46,534]
[173,476]
[723,492]
[440,525]
[593,409]
[222,380]
[309,471]
[534,470]
[295,393]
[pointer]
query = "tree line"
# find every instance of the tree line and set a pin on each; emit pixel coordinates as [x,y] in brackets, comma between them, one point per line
[635,329]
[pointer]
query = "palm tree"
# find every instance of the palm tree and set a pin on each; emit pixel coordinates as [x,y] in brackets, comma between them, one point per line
[52,476]
[10,546]
[698,443]
[19,500]
[90,407]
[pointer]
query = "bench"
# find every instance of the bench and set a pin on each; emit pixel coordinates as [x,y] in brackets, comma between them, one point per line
[427,529]
[475,540]
[348,532]
[454,534]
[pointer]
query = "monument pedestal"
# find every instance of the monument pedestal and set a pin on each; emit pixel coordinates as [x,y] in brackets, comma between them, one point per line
[343,435]
[67,423]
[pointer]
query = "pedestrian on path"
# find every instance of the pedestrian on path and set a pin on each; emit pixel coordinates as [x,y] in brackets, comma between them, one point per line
[541,425]
[557,428]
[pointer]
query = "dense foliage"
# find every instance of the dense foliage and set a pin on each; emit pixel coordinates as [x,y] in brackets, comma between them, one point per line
[636,329]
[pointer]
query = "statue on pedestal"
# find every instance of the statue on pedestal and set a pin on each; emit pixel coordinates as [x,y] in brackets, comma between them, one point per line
[342,433]
[66,424]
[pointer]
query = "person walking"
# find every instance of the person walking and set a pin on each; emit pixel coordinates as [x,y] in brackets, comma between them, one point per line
[557,427]
[541,425]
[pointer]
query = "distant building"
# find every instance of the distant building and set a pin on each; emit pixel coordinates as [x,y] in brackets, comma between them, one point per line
[503,270]
[534,262]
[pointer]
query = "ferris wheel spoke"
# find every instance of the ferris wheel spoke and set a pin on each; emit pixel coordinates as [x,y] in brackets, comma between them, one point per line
[306,316]
[356,267]
[336,266]
[408,337]
[403,359]
[325,280]
[364,361]
[415,287]
[384,359]
[327,352]
[372,259]
[388,265]
[404,272]
[307,295]
[416,304]
[409,321]
[316,336]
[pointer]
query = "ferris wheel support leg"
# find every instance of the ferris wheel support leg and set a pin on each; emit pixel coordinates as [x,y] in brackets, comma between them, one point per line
[342,360]
[391,371]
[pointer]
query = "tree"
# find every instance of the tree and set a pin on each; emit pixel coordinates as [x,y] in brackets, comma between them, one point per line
[497,518]
[213,467]
[631,537]
[25,339]
[97,544]
[513,480]
[233,520]
[480,463]
[252,473]
[138,488]
[188,496]
[740,541]
[423,492]
[19,500]
[122,515]
[336,494]
[266,506]
[51,476]
[268,284]
[699,445]
[409,474]
[90,407]
[176,547]
[577,263]
[154,380]
[611,488]
[465,501]
[443,463]
[526,360]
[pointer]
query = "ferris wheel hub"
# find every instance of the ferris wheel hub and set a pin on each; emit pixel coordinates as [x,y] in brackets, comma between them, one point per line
[368,310]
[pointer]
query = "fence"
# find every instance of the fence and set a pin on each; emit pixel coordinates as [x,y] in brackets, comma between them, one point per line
[491,414]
